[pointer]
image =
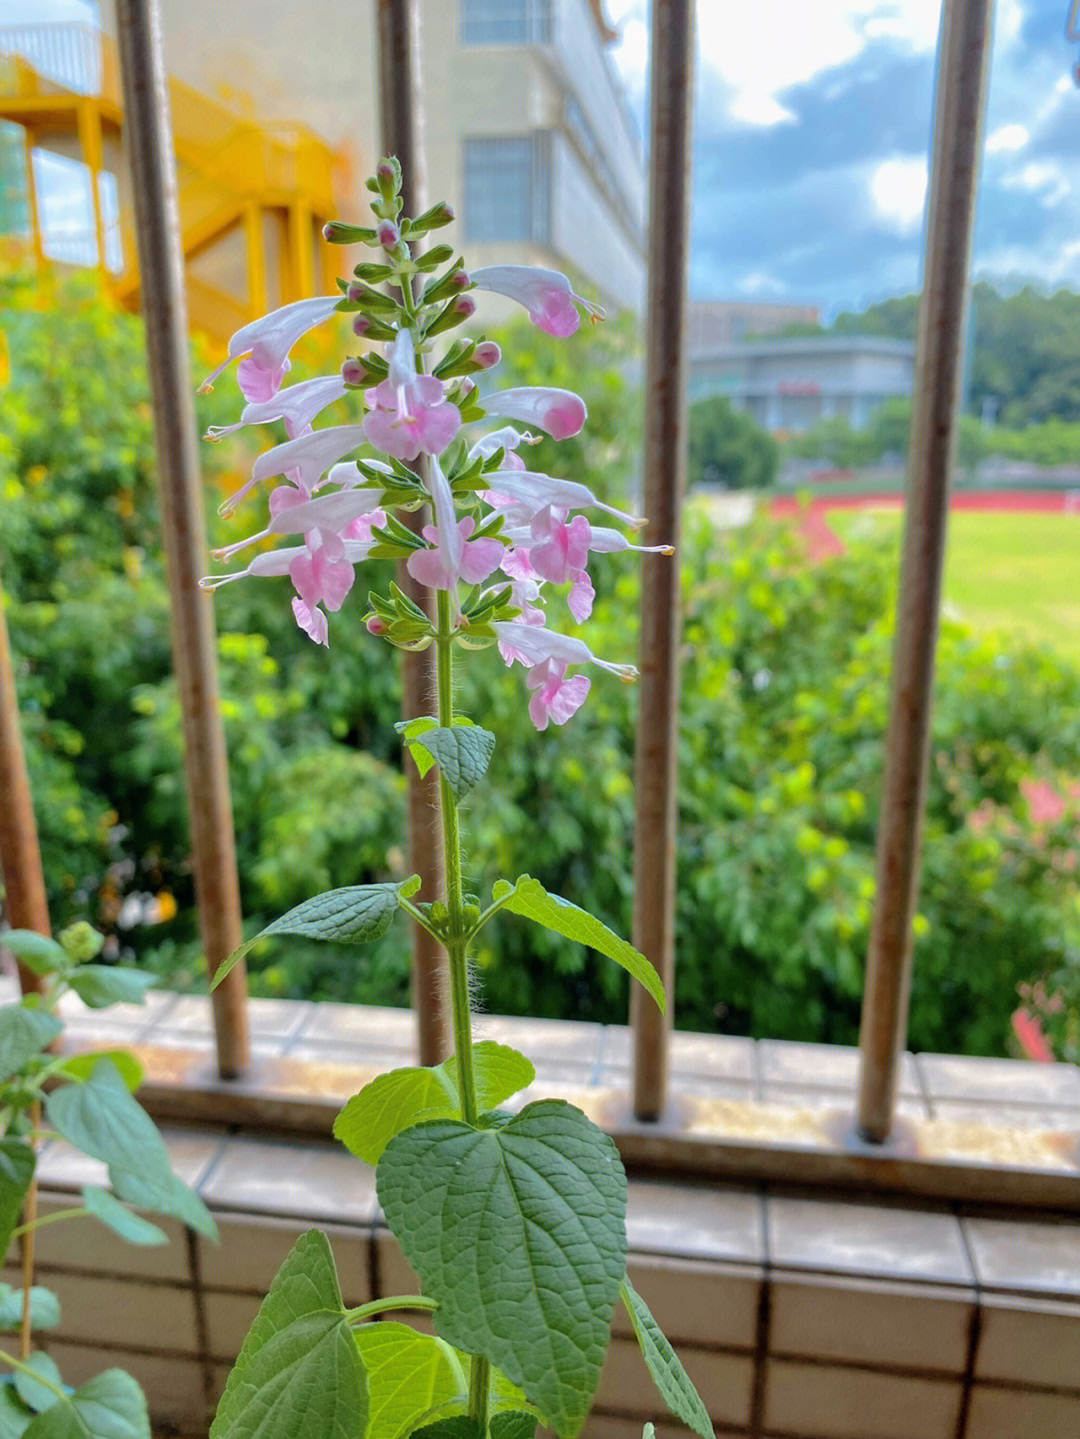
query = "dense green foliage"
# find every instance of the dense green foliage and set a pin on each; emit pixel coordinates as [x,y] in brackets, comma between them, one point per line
[784,701]
[728,449]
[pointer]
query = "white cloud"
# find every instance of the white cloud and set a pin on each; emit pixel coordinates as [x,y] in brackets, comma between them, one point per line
[898,190]
[1007,138]
[760,282]
[1043,177]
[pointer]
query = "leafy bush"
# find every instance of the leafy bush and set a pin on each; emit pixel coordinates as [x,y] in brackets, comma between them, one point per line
[784,700]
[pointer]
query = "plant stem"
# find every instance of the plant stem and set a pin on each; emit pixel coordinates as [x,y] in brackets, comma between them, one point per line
[392,1301]
[78,1212]
[480,1378]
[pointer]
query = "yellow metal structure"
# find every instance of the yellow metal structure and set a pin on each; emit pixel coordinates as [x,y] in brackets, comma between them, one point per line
[256,195]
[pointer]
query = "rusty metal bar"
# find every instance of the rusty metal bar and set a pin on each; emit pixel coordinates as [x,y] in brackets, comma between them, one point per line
[25,901]
[665,480]
[402,120]
[963,64]
[148,137]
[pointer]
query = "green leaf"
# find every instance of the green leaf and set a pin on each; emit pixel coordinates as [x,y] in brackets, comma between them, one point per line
[499,1070]
[14,1415]
[355,915]
[669,1376]
[401,1098]
[513,1424]
[299,1371]
[457,1426]
[16,1171]
[519,1234]
[132,1227]
[463,753]
[99,985]
[101,1118]
[649,1432]
[44,1308]
[389,1105]
[408,1373]
[531,899]
[24,1032]
[81,1066]
[35,1393]
[110,1406]
[39,953]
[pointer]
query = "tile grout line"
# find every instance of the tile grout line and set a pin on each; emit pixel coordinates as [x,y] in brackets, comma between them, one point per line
[762,1325]
[974,1331]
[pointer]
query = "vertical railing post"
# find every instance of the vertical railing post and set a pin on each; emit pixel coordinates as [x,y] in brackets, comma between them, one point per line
[25,901]
[665,478]
[402,135]
[148,134]
[963,64]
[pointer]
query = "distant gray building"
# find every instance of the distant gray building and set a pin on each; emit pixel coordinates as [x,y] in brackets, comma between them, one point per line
[787,386]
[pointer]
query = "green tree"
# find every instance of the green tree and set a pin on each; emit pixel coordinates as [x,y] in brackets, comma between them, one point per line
[728,449]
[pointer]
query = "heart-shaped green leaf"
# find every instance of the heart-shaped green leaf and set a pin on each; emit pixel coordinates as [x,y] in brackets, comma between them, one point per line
[462,752]
[519,1234]
[101,1118]
[115,1216]
[24,1032]
[671,1379]
[81,1066]
[99,985]
[39,1383]
[403,1097]
[530,899]
[110,1406]
[299,1371]
[408,1373]
[14,1415]
[355,915]
[44,1308]
[16,1171]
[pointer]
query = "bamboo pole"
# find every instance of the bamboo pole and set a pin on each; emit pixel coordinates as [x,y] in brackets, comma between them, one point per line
[26,904]
[148,136]
[963,64]
[665,479]
[402,135]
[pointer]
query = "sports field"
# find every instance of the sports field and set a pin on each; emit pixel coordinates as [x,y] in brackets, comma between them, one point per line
[1010,564]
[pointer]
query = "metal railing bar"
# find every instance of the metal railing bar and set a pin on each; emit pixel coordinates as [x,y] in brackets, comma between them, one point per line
[402,123]
[148,137]
[665,478]
[26,904]
[963,65]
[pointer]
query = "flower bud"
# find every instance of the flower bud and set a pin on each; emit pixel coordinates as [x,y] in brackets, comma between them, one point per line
[80,941]
[353,372]
[361,324]
[338,233]
[465,306]
[460,281]
[388,234]
[487,354]
[354,293]
[376,626]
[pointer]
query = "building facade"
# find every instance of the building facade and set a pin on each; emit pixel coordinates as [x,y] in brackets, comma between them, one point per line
[787,386]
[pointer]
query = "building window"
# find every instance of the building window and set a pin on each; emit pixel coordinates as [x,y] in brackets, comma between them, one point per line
[508,189]
[506,22]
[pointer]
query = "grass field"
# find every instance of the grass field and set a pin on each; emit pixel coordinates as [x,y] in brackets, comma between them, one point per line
[1011,570]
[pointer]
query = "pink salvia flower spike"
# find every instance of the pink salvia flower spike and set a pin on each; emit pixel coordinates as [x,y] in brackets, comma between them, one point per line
[263,346]
[409,415]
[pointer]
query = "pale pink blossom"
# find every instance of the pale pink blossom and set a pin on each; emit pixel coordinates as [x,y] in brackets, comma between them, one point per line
[532,646]
[297,406]
[545,294]
[559,413]
[292,514]
[532,492]
[507,439]
[409,414]
[453,555]
[557,697]
[322,575]
[556,550]
[272,563]
[263,346]
[304,460]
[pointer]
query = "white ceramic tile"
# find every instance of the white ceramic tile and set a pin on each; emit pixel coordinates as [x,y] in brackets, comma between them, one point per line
[847,1237]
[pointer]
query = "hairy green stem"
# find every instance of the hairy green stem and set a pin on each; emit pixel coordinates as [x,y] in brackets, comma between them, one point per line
[392,1301]
[480,1378]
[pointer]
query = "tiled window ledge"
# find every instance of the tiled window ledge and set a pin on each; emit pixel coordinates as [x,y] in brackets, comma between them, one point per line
[972,1130]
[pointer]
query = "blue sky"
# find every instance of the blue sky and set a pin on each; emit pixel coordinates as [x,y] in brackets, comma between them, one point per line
[811,139]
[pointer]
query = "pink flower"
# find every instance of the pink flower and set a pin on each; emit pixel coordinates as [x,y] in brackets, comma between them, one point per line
[533,645]
[297,406]
[557,551]
[263,346]
[293,514]
[321,574]
[557,697]
[546,295]
[409,415]
[304,460]
[532,492]
[560,413]
[453,555]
